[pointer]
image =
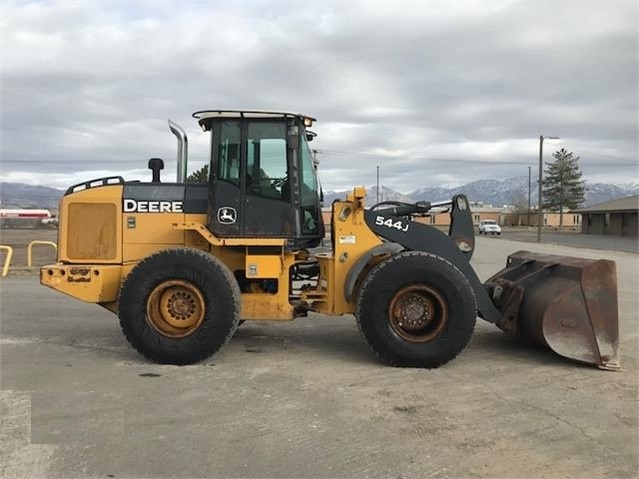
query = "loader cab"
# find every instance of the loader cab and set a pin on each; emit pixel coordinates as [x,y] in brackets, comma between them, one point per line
[262,180]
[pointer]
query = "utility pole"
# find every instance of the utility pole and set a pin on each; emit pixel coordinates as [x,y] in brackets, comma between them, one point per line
[541,173]
[529,170]
[377,185]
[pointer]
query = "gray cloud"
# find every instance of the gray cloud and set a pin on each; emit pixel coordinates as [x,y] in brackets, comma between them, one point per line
[432,93]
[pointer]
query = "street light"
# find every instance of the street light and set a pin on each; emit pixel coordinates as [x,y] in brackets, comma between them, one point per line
[529,170]
[377,185]
[541,172]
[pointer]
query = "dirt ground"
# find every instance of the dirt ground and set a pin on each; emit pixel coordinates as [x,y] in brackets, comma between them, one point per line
[19,239]
[307,398]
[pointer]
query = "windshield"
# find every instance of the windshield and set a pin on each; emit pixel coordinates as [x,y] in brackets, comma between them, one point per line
[489,222]
[308,185]
[310,214]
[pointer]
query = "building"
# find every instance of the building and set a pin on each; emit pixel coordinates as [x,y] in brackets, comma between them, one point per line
[616,217]
[571,220]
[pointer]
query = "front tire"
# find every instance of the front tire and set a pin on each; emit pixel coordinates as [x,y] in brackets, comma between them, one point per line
[179,306]
[416,309]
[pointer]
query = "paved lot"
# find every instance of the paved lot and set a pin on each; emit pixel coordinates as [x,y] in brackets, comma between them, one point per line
[575,239]
[307,399]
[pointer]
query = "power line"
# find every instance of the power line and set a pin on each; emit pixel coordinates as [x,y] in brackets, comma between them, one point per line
[456,160]
[623,161]
[412,158]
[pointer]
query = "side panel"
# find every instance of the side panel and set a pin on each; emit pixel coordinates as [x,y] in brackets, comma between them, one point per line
[89,229]
[149,211]
[353,239]
[98,238]
[260,305]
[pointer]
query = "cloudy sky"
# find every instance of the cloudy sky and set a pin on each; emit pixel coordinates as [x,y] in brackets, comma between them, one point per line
[434,93]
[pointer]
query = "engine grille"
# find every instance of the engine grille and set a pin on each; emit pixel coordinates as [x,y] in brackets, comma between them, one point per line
[92,231]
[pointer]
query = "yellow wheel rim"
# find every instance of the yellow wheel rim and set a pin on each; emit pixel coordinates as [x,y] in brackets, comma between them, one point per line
[175,308]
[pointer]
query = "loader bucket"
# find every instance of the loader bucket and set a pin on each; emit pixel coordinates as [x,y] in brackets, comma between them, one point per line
[567,304]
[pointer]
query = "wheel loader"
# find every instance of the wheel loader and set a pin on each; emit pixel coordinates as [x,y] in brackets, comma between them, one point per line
[183,264]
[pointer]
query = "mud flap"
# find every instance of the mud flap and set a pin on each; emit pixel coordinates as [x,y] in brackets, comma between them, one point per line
[567,304]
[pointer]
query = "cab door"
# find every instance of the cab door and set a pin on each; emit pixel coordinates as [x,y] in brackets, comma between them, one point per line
[267,199]
[250,188]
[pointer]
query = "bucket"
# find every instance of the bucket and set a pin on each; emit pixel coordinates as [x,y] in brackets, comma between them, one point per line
[565,303]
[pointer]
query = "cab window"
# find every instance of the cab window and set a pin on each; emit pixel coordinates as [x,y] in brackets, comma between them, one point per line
[228,162]
[308,190]
[266,164]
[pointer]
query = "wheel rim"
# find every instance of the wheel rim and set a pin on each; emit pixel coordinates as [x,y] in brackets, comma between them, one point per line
[175,308]
[418,313]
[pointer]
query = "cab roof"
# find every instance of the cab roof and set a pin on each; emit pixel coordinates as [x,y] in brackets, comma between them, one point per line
[205,116]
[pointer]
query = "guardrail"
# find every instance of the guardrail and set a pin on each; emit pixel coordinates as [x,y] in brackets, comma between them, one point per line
[7,260]
[50,243]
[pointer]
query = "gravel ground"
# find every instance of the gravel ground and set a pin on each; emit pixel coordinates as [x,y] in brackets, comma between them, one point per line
[307,399]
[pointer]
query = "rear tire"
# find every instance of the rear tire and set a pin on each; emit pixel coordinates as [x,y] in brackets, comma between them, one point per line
[179,306]
[416,309]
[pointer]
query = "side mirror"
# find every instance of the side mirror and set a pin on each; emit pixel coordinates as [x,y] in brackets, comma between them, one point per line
[293,137]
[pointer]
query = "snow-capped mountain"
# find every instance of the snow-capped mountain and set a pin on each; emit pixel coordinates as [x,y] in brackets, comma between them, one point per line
[512,191]
[20,195]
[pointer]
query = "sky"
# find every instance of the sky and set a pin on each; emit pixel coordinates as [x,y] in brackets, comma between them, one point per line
[432,93]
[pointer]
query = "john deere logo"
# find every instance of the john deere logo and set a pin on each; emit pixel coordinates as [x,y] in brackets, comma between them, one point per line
[226,215]
[135,206]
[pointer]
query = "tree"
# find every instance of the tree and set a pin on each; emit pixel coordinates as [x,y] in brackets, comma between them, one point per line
[519,201]
[199,176]
[563,186]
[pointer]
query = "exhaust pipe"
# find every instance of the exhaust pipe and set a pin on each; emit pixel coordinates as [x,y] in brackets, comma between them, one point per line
[182,151]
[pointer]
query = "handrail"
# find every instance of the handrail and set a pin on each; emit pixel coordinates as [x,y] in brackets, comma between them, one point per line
[7,260]
[38,242]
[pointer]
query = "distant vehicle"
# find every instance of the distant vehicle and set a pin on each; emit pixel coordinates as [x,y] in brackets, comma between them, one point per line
[51,222]
[22,218]
[489,226]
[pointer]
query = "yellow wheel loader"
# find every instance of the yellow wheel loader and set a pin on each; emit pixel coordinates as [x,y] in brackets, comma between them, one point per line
[183,264]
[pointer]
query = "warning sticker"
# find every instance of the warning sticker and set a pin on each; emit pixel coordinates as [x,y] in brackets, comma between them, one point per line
[347,239]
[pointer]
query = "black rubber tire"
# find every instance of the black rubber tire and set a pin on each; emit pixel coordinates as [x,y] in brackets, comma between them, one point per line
[420,269]
[217,286]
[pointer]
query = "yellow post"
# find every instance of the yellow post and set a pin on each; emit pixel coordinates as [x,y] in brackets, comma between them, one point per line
[38,242]
[7,260]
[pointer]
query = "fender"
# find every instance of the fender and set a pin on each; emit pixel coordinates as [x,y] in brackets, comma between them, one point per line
[360,264]
[420,237]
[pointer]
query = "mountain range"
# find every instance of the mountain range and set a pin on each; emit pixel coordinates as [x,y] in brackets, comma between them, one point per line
[513,191]
[20,195]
